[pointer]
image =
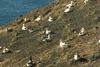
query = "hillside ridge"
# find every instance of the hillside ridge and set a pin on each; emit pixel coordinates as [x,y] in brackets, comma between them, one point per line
[63,34]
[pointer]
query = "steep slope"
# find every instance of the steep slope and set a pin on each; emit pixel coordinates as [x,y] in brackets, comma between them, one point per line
[65,26]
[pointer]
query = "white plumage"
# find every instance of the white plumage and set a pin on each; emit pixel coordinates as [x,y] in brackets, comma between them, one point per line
[47,38]
[62,44]
[50,19]
[30,30]
[76,57]
[0,47]
[25,19]
[67,10]
[82,31]
[38,18]
[23,27]
[5,50]
[68,7]
[29,63]
[99,41]
[85,1]
[47,31]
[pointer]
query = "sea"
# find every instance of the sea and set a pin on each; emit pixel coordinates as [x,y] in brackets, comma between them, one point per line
[10,9]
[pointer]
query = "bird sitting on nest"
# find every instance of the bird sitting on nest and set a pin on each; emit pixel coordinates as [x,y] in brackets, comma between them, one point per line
[63,44]
[47,31]
[76,56]
[5,50]
[38,18]
[30,63]
[50,19]
[85,1]
[68,7]
[82,32]
[30,30]
[48,38]
[24,27]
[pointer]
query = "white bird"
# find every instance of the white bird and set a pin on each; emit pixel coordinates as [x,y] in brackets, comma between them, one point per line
[50,19]
[25,19]
[8,29]
[82,31]
[23,27]
[38,18]
[29,63]
[0,47]
[67,10]
[5,50]
[85,1]
[47,31]
[62,44]
[30,30]
[47,38]
[99,41]
[70,5]
[76,57]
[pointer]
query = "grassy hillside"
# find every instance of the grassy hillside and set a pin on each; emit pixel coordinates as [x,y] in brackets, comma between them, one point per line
[65,26]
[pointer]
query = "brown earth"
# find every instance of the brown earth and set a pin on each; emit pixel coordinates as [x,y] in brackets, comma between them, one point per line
[24,44]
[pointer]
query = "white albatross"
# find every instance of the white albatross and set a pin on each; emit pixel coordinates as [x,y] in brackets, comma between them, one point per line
[85,1]
[23,27]
[47,31]
[0,47]
[48,38]
[29,63]
[50,19]
[67,10]
[99,41]
[38,18]
[62,44]
[82,31]
[68,7]
[5,50]
[30,30]
[25,19]
[76,56]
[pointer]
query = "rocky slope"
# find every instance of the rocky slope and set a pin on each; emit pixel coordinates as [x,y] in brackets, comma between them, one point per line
[65,26]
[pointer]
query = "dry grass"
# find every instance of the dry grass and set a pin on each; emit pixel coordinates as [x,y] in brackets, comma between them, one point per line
[47,54]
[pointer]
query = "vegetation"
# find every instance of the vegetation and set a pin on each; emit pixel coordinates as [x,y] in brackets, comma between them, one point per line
[65,26]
